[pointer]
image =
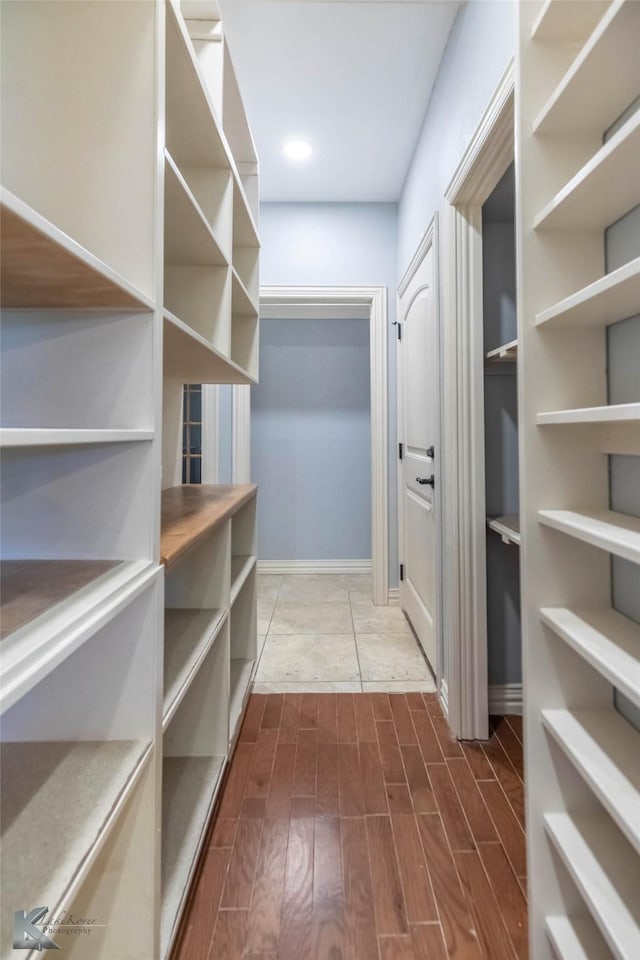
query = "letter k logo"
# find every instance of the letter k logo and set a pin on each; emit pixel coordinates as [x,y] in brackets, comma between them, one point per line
[26,935]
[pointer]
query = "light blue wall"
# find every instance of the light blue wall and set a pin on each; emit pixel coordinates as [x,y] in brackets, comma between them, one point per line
[343,244]
[311,440]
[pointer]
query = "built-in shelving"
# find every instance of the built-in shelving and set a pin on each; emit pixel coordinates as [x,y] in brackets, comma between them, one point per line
[241,673]
[508,527]
[52,437]
[508,352]
[596,856]
[619,533]
[561,22]
[190,513]
[613,297]
[576,938]
[582,102]
[609,642]
[605,750]
[188,635]
[241,567]
[189,239]
[603,190]
[188,357]
[612,413]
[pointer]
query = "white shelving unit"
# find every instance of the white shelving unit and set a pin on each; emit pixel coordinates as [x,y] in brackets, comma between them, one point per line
[577,79]
[122,628]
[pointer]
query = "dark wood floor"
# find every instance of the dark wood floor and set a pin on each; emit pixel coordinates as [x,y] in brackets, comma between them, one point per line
[353,827]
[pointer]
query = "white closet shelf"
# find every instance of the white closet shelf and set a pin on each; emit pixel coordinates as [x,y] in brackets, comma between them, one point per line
[597,857]
[188,636]
[189,786]
[241,303]
[51,607]
[43,267]
[613,297]
[612,413]
[508,527]
[241,673]
[55,437]
[560,22]
[189,358]
[241,567]
[619,533]
[200,9]
[607,640]
[245,232]
[582,102]
[606,188]
[191,512]
[508,352]
[234,118]
[576,938]
[604,748]
[40,790]
[189,240]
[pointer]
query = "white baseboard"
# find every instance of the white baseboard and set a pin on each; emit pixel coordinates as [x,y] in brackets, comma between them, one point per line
[314,566]
[444,696]
[505,698]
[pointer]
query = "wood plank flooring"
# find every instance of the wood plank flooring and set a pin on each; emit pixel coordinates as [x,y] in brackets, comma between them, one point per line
[354,827]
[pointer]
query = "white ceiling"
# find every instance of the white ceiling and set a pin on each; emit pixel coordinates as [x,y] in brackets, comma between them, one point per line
[351,76]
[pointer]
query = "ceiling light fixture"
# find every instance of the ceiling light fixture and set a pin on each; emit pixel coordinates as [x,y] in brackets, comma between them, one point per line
[297,150]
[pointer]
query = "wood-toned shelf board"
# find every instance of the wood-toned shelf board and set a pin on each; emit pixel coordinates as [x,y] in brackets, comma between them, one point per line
[606,639]
[606,188]
[41,792]
[508,352]
[241,567]
[613,297]
[189,786]
[619,533]
[188,636]
[189,358]
[597,857]
[56,437]
[191,512]
[241,673]
[241,303]
[612,413]
[561,22]
[604,748]
[576,938]
[43,267]
[508,527]
[188,237]
[582,102]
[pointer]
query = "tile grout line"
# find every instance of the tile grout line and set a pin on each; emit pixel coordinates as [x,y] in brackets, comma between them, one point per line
[355,641]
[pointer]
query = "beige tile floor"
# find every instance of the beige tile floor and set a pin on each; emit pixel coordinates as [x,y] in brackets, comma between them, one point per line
[323,633]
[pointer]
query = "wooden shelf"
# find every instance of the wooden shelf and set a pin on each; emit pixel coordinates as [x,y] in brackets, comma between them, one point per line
[50,607]
[619,533]
[576,938]
[190,512]
[189,358]
[54,437]
[189,240]
[508,527]
[41,791]
[613,297]
[241,673]
[189,786]
[597,857]
[605,750]
[188,635]
[241,567]
[561,22]
[612,413]
[508,352]
[607,640]
[582,102]
[606,188]
[43,267]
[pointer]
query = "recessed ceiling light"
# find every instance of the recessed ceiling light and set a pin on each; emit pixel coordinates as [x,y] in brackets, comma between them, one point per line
[297,150]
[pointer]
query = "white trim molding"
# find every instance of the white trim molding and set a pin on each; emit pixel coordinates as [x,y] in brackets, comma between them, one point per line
[314,566]
[210,432]
[485,161]
[241,431]
[375,299]
[505,698]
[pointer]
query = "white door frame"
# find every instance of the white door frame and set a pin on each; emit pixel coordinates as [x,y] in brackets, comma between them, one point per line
[374,299]
[485,161]
[428,242]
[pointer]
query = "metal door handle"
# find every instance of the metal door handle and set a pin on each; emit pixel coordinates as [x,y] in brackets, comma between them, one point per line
[428,480]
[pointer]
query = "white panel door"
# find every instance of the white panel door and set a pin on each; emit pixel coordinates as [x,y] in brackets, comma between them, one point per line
[418,419]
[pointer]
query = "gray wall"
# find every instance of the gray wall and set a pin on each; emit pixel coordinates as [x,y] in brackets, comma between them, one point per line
[339,244]
[311,440]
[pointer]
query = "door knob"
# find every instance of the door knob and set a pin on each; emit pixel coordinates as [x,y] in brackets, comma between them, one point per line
[430,452]
[430,481]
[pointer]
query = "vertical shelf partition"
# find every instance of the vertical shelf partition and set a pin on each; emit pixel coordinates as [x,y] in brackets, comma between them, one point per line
[579,155]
